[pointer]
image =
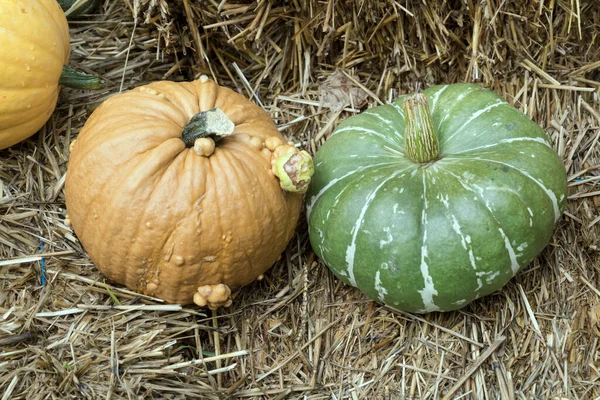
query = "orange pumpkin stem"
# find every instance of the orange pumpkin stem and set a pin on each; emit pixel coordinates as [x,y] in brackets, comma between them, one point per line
[212,123]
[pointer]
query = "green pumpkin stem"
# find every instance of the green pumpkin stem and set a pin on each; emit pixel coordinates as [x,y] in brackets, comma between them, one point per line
[77,8]
[212,123]
[420,141]
[77,80]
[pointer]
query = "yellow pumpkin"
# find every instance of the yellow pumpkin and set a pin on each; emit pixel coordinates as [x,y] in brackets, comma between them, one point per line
[184,191]
[34,48]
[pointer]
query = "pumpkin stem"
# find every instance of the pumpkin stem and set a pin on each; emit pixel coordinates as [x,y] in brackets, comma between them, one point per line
[77,8]
[420,141]
[212,123]
[77,80]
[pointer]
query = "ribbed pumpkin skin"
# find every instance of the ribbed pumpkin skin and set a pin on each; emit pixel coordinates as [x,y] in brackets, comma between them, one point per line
[34,47]
[162,220]
[435,237]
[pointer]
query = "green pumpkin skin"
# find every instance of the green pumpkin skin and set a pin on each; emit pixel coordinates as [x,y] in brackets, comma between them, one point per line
[435,236]
[88,7]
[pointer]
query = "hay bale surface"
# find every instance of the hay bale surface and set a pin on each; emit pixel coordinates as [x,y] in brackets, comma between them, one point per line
[300,333]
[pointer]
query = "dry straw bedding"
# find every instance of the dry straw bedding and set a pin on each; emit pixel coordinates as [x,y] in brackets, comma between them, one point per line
[300,333]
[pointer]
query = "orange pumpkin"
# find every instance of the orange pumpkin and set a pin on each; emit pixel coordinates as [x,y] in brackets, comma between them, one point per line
[34,48]
[184,191]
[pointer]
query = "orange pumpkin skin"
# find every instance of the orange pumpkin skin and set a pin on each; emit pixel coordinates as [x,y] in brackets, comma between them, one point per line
[34,47]
[168,221]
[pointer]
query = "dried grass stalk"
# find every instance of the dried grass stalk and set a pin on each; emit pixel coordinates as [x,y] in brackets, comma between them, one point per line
[300,333]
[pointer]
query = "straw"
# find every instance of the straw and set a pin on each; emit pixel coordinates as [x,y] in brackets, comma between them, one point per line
[300,333]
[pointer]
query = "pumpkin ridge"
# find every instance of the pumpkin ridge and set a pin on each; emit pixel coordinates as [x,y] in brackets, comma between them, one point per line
[227,158]
[371,113]
[35,110]
[42,105]
[473,117]
[39,84]
[169,140]
[213,188]
[465,240]
[156,255]
[529,241]
[170,91]
[142,128]
[351,250]
[145,96]
[313,199]
[135,157]
[467,296]
[379,183]
[199,193]
[25,89]
[370,132]
[515,265]
[218,169]
[396,132]
[201,90]
[66,50]
[264,187]
[428,291]
[335,203]
[480,199]
[36,44]
[366,173]
[468,245]
[551,195]
[232,103]
[397,108]
[510,190]
[155,269]
[112,204]
[436,96]
[472,89]
[195,215]
[62,60]
[109,134]
[41,119]
[501,142]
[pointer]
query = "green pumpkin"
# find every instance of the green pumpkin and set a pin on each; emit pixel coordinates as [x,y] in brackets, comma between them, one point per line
[435,200]
[84,7]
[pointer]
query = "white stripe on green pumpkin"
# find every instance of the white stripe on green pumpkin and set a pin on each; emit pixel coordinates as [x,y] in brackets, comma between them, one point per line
[351,250]
[413,236]
[551,195]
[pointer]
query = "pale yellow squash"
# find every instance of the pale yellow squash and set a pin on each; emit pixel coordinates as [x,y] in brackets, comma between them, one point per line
[34,48]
